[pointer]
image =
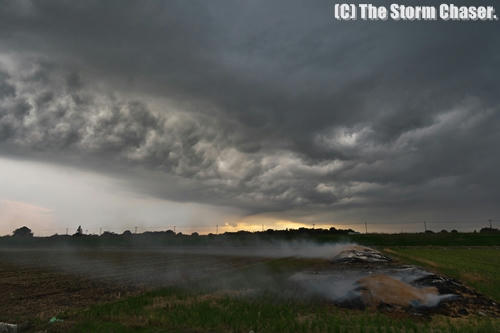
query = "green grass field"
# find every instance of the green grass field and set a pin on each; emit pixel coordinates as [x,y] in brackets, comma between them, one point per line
[425,239]
[175,310]
[478,267]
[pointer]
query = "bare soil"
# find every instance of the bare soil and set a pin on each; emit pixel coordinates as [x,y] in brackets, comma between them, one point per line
[30,294]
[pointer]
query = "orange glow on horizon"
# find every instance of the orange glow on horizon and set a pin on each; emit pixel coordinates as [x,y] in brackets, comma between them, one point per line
[15,214]
[263,223]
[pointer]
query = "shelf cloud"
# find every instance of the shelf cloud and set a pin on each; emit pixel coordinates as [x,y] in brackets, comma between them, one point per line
[265,107]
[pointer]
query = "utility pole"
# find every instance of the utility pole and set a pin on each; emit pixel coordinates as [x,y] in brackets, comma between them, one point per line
[314,225]
[217,229]
[425,226]
[100,231]
[491,226]
[366,228]
[174,228]
[135,230]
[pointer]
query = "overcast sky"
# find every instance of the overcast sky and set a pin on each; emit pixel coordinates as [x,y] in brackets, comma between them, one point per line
[118,114]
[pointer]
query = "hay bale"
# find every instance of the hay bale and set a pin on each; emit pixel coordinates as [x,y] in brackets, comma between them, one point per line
[383,289]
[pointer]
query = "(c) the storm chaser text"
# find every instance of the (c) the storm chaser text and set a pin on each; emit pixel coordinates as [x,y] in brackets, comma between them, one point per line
[397,12]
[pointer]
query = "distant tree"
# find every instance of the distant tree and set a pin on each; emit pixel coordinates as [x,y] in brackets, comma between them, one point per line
[429,232]
[79,231]
[127,233]
[23,232]
[444,231]
[195,234]
[483,230]
[454,231]
[108,234]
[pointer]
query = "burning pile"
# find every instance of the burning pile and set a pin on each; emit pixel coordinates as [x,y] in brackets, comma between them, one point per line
[362,277]
[361,288]
[384,289]
[356,253]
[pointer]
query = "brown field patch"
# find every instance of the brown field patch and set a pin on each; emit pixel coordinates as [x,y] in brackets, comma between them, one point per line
[30,293]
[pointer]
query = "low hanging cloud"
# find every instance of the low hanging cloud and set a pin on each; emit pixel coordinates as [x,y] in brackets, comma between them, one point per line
[265,107]
[54,113]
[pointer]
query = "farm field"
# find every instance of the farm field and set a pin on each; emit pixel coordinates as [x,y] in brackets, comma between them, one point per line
[31,295]
[37,284]
[119,290]
[425,239]
[478,267]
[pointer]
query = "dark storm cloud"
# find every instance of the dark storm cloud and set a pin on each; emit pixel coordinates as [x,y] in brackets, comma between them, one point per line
[261,105]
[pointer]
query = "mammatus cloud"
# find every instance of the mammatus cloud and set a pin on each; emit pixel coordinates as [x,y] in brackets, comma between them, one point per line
[263,107]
